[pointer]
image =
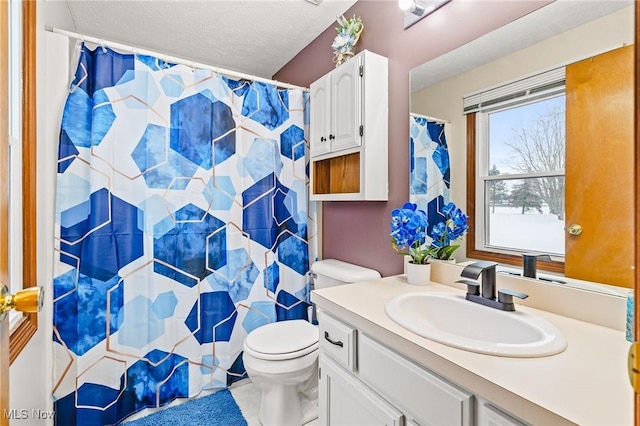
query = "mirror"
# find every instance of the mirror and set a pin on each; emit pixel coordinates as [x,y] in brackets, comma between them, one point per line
[556,35]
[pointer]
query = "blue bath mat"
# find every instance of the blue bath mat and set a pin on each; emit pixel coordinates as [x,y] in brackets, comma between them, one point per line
[217,409]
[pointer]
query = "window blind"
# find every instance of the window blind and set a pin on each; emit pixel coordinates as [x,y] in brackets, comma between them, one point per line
[538,85]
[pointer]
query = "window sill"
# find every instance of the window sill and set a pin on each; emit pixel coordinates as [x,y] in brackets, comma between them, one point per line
[508,259]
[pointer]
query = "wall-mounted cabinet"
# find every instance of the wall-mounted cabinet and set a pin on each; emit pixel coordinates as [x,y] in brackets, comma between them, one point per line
[349,131]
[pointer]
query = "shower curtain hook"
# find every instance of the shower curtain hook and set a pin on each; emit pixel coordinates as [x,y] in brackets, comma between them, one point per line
[104,49]
[77,51]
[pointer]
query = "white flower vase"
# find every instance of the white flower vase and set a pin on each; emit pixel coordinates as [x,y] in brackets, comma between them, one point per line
[418,274]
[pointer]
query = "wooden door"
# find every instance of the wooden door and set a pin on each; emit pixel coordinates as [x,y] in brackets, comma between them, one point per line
[636,313]
[4,207]
[600,168]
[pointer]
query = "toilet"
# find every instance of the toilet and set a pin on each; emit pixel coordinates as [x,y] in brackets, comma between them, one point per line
[281,358]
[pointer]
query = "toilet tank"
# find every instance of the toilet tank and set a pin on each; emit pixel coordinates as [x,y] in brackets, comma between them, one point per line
[332,272]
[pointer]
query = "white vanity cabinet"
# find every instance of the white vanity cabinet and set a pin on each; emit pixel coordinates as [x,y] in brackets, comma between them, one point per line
[349,114]
[381,387]
[364,382]
[348,402]
[488,415]
[425,398]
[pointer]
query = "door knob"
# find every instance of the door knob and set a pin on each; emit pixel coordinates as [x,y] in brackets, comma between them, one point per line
[575,229]
[27,300]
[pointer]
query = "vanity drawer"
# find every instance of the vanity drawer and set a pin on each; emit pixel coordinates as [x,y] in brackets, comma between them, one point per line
[338,340]
[425,397]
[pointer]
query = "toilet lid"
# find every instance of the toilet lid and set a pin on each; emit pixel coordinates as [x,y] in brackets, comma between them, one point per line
[282,340]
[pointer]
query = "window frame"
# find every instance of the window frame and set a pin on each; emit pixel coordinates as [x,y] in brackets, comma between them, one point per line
[28,325]
[483,144]
[472,192]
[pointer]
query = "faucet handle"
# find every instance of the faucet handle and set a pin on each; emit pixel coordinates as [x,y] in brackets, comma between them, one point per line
[506,296]
[473,287]
[505,299]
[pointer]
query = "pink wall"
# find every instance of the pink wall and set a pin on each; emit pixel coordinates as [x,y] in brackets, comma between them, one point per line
[358,232]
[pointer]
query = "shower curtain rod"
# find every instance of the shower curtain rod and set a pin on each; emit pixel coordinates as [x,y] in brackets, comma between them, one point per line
[437,120]
[171,59]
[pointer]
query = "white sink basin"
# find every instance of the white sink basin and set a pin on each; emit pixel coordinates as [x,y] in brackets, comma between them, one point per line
[454,321]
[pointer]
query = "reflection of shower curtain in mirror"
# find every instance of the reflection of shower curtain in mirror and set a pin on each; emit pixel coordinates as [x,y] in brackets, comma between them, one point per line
[429,165]
[182,225]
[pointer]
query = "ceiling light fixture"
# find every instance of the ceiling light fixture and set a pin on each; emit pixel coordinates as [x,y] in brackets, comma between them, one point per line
[411,6]
[415,10]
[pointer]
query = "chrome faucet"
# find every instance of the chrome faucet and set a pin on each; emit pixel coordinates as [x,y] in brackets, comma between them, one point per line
[529,264]
[487,270]
[530,267]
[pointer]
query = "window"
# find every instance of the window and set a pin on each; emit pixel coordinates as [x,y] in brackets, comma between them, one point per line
[517,146]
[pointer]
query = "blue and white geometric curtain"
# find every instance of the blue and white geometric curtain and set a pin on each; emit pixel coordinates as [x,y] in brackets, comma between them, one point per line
[182,223]
[430,167]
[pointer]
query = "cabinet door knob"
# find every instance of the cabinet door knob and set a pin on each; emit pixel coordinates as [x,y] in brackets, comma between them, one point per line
[331,137]
[322,139]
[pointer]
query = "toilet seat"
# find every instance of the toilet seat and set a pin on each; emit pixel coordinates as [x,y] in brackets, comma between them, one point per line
[282,340]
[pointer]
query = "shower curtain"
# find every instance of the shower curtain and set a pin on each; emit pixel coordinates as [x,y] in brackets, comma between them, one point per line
[430,167]
[182,223]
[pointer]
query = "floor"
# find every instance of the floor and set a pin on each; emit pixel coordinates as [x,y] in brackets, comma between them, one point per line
[246,395]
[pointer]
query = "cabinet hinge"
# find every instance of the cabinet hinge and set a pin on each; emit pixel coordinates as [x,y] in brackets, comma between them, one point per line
[361,70]
[361,130]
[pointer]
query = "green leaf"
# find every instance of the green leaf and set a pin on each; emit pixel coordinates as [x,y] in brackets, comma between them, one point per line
[444,253]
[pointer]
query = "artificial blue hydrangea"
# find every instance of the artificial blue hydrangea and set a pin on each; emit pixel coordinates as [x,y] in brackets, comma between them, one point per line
[444,233]
[409,232]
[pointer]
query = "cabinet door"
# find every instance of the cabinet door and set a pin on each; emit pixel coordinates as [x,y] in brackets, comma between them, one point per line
[421,394]
[346,102]
[344,400]
[320,116]
[488,415]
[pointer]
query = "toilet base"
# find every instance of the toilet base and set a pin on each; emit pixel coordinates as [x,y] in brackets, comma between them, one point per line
[288,404]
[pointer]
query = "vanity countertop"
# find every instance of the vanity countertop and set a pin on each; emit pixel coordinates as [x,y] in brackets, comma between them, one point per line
[587,384]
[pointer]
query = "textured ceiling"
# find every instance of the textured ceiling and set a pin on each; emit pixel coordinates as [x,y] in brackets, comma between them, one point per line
[558,17]
[256,37]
